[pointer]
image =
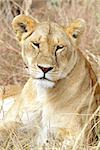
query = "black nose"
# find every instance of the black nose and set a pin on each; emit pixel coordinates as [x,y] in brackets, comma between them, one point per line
[44,69]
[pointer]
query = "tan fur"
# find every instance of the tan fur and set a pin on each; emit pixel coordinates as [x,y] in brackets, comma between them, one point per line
[9,90]
[62,103]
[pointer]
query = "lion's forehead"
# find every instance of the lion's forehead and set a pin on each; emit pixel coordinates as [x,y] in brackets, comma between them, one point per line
[51,31]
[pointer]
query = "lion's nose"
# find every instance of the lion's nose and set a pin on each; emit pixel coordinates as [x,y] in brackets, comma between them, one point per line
[45,69]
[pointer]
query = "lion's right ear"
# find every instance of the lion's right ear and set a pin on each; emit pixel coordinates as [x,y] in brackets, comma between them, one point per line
[75,30]
[23,26]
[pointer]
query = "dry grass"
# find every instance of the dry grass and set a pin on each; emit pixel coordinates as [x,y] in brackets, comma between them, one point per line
[11,64]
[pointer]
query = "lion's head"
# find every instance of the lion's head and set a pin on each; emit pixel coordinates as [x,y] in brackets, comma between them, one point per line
[48,49]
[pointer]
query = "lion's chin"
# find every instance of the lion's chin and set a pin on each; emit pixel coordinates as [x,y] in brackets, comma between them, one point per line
[45,83]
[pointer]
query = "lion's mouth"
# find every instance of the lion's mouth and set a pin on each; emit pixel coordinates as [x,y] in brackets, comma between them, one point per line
[45,82]
[44,78]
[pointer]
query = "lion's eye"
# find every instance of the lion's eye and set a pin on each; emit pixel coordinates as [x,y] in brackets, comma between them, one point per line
[59,47]
[36,44]
[75,35]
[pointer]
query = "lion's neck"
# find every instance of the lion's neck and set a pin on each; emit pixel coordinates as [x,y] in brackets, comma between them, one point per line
[68,90]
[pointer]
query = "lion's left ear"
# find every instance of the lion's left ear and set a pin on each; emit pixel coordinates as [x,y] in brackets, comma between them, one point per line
[23,26]
[75,29]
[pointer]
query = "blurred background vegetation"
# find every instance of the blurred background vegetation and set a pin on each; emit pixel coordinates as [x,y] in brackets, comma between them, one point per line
[61,11]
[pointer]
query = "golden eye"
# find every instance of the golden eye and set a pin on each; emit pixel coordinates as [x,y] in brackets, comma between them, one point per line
[36,44]
[59,47]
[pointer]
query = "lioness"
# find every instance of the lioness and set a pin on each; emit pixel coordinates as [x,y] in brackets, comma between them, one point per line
[60,93]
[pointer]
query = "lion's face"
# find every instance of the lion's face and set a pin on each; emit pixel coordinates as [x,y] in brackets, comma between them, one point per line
[46,52]
[47,48]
